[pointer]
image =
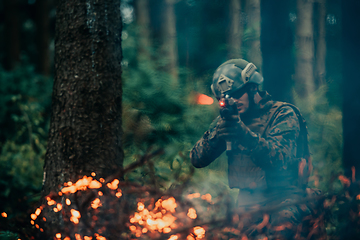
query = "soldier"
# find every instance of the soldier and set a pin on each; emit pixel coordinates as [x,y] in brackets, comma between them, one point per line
[265,142]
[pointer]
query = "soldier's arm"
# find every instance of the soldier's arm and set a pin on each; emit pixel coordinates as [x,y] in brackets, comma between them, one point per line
[207,149]
[279,148]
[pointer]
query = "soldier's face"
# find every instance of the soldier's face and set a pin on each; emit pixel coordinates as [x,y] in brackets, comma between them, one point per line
[242,103]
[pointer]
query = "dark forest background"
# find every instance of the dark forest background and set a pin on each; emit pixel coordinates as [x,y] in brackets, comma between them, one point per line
[307,51]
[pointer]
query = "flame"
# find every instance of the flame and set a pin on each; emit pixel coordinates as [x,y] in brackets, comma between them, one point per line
[113,185]
[206,197]
[58,235]
[96,203]
[68,202]
[192,213]
[118,194]
[344,180]
[203,99]
[159,219]
[4,214]
[193,195]
[173,237]
[200,232]
[75,215]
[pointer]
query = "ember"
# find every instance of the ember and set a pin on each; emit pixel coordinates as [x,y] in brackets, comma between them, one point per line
[4,214]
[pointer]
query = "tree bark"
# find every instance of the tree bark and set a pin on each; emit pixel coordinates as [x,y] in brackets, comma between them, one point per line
[320,65]
[236,30]
[12,33]
[43,37]
[351,85]
[253,27]
[304,43]
[276,46]
[169,41]
[142,14]
[85,129]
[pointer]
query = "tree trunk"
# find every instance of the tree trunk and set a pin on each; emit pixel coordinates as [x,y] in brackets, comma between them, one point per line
[254,28]
[43,37]
[142,14]
[236,30]
[351,85]
[85,129]
[320,69]
[276,46]
[12,33]
[304,43]
[169,41]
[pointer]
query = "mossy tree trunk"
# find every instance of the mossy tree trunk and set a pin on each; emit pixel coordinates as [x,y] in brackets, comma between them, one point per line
[253,28]
[142,15]
[169,48]
[85,129]
[235,29]
[304,44]
[320,64]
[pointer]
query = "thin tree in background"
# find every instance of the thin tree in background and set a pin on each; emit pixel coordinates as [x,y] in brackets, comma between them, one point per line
[304,44]
[43,36]
[253,28]
[351,86]
[169,41]
[85,129]
[142,15]
[235,30]
[12,32]
[320,64]
[276,47]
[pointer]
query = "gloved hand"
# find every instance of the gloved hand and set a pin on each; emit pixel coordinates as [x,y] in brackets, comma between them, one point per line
[230,128]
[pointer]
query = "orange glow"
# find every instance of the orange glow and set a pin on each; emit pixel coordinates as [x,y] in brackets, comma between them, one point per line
[87,238]
[190,237]
[221,103]
[100,193]
[37,226]
[94,184]
[58,235]
[37,211]
[203,99]
[132,228]
[51,202]
[33,216]
[358,197]
[167,230]
[264,222]
[206,197]
[173,237]
[32,222]
[113,185]
[169,204]
[77,236]
[68,202]
[66,238]
[98,237]
[4,214]
[75,215]
[193,195]
[344,180]
[200,232]
[102,180]
[93,174]
[59,206]
[118,194]
[140,206]
[192,213]
[353,174]
[96,203]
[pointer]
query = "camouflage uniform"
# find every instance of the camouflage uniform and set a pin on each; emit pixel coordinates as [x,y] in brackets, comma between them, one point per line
[268,163]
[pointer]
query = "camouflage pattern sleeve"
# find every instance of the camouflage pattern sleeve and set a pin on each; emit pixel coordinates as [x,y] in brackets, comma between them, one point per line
[278,148]
[208,148]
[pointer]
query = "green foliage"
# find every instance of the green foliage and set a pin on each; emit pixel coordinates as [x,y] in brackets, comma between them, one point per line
[325,135]
[8,236]
[24,107]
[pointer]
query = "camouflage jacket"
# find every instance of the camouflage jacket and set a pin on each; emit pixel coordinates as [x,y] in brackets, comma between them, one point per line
[271,154]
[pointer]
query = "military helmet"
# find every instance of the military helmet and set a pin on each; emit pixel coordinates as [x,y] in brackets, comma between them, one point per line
[233,75]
